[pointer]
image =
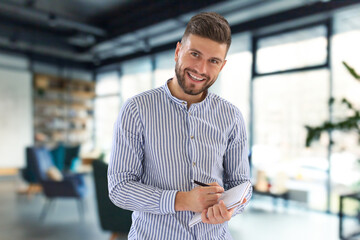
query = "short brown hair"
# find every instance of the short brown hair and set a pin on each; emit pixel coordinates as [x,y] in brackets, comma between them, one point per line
[209,25]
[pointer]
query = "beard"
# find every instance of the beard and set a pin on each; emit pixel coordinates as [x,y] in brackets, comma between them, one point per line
[190,89]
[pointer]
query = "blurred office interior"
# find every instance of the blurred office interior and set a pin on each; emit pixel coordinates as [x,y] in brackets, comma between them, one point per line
[66,68]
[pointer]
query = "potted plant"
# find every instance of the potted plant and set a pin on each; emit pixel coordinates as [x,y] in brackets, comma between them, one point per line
[348,123]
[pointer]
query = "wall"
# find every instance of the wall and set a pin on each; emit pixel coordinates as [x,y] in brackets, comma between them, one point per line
[16,131]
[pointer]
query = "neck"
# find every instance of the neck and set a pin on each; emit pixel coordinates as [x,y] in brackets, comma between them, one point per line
[178,92]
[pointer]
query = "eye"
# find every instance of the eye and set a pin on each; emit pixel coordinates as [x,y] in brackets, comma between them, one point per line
[214,61]
[194,54]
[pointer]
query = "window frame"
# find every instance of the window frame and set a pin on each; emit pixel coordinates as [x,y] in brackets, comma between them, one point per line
[328,23]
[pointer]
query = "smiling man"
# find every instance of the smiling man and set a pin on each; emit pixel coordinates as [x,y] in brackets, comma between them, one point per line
[169,137]
[199,61]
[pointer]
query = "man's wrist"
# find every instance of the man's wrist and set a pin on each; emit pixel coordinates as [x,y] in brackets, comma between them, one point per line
[180,201]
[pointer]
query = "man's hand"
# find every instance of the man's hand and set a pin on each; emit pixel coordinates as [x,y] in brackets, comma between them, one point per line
[199,198]
[217,214]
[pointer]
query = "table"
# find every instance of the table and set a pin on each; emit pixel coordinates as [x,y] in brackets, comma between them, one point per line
[355,196]
[274,196]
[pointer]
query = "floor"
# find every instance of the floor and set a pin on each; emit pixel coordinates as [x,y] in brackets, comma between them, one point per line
[19,219]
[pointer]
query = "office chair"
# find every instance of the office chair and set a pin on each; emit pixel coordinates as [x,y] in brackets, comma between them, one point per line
[69,186]
[28,174]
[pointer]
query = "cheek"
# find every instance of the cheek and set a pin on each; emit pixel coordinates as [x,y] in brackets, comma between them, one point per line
[214,71]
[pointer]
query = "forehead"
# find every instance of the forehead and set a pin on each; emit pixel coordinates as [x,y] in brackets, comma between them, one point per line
[205,46]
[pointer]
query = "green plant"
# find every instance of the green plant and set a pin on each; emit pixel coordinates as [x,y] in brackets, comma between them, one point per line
[351,122]
[348,123]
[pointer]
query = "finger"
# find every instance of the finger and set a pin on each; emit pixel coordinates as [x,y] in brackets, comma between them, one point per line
[214,184]
[244,201]
[223,210]
[218,187]
[204,217]
[210,213]
[217,218]
[213,189]
[225,213]
[213,197]
[217,213]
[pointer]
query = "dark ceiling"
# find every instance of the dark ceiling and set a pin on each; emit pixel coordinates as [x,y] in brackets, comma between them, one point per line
[70,29]
[91,33]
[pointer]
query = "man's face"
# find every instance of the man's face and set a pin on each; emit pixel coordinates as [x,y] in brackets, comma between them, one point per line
[198,63]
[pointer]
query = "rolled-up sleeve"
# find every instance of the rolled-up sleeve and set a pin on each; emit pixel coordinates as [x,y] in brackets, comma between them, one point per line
[126,168]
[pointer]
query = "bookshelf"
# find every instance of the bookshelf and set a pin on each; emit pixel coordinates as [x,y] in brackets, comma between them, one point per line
[63,110]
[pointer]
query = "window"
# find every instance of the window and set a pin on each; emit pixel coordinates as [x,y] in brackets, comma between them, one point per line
[291,50]
[165,67]
[345,167]
[107,84]
[107,106]
[284,104]
[136,78]
[233,83]
[107,110]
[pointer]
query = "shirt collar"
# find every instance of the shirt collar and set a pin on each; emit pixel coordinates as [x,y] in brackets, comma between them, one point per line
[178,101]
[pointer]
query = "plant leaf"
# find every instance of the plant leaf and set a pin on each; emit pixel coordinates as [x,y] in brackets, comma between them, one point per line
[352,71]
[347,103]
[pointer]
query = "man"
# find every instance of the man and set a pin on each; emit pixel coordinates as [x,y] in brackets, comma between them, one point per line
[169,137]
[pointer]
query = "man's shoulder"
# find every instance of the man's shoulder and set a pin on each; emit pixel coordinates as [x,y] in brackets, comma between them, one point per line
[218,101]
[226,110]
[144,101]
[147,95]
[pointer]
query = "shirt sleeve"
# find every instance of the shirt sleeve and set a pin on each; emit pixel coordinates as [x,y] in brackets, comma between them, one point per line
[236,163]
[126,168]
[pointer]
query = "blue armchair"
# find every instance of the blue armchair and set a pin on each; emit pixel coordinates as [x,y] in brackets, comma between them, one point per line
[70,186]
[28,174]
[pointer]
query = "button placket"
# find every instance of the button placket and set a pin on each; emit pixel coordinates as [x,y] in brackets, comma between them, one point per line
[191,133]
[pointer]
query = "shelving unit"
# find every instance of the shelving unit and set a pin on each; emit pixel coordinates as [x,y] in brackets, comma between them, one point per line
[63,110]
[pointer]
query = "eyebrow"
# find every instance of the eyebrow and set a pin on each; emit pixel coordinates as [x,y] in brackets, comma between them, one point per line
[214,58]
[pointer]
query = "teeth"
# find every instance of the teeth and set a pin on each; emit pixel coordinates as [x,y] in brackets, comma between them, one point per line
[196,78]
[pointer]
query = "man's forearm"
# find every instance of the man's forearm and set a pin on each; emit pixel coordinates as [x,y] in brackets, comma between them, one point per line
[198,198]
[181,202]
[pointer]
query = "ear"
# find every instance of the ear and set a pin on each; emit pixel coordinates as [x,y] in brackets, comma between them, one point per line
[223,65]
[177,50]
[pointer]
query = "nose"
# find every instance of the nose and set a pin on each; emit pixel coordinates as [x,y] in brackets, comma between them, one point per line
[201,66]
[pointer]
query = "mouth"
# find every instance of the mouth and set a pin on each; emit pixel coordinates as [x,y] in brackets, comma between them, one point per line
[195,78]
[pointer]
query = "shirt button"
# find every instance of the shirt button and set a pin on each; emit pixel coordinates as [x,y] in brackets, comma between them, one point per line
[194,164]
[192,137]
[190,113]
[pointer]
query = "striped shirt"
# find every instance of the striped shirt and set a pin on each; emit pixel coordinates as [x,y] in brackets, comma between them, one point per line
[160,146]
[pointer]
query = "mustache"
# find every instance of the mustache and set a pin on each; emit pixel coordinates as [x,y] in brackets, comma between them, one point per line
[196,72]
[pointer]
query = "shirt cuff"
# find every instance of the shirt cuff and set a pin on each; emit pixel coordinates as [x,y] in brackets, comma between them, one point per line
[167,201]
